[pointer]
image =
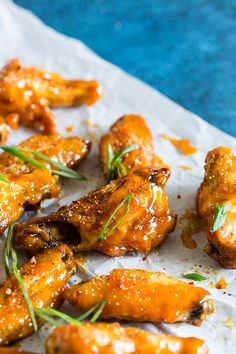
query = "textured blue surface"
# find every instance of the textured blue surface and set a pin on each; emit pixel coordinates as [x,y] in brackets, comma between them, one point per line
[184,48]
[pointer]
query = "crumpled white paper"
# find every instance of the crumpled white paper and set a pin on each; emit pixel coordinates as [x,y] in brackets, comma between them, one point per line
[22,35]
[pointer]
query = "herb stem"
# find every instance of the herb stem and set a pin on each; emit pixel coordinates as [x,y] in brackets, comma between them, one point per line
[103,234]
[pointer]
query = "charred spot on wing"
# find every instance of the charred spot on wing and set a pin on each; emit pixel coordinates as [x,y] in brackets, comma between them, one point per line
[196,315]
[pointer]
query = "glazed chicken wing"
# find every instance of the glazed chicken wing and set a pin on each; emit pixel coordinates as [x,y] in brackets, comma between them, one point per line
[30,92]
[28,184]
[104,338]
[45,277]
[140,295]
[128,130]
[219,186]
[140,224]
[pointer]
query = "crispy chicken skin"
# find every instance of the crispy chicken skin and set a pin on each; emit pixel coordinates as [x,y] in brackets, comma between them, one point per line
[144,226]
[129,130]
[28,184]
[45,277]
[219,185]
[101,338]
[30,92]
[140,295]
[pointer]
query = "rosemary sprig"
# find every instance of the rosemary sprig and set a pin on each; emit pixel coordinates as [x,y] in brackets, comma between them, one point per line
[219,217]
[194,276]
[62,170]
[4,179]
[114,161]
[11,259]
[104,233]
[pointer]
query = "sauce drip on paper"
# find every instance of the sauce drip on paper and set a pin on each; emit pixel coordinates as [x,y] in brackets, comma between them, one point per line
[183,145]
[184,167]
[192,225]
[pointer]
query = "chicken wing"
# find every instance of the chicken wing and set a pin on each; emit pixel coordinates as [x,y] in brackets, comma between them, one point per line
[101,338]
[45,277]
[28,184]
[140,226]
[128,130]
[219,186]
[30,92]
[140,295]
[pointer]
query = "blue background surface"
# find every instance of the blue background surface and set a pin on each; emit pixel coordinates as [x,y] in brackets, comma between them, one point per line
[184,48]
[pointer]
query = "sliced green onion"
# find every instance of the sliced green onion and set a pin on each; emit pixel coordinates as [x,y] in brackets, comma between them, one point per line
[48,314]
[104,233]
[114,162]
[99,311]
[219,217]
[25,292]
[194,276]
[48,311]
[11,259]
[4,179]
[62,170]
[7,249]
[98,308]
[14,151]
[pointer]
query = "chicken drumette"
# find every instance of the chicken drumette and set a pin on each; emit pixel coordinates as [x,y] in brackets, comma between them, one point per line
[29,185]
[45,277]
[104,338]
[140,295]
[128,130]
[219,186]
[30,92]
[132,211]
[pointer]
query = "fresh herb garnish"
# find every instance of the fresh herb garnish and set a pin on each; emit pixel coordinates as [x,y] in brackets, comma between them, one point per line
[114,161]
[4,179]
[62,170]
[8,249]
[11,260]
[96,310]
[194,276]
[104,233]
[219,217]
[48,314]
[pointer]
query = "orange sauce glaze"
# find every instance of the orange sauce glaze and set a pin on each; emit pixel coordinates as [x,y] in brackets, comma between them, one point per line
[184,167]
[107,338]
[192,225]
[183,145]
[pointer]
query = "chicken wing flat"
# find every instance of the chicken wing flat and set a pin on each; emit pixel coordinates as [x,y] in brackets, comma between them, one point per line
[45,277]
[140,295]
[128,130]
[219,186]
[139,226]
[30,92]
[101,338]
[28,184]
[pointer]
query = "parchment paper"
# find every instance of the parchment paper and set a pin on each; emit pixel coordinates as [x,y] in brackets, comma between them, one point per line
[22,35]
